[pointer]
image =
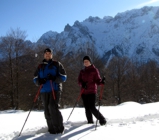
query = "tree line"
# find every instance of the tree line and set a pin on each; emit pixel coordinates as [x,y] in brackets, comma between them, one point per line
[126,79]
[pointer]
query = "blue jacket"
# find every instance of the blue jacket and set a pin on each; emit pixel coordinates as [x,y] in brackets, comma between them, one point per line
[54,68]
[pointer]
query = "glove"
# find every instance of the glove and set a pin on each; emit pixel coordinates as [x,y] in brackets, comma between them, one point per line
[103,80]
[84,85]
[42,81]
[51,77]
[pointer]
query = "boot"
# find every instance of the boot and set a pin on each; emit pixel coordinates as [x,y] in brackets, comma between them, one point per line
[102,121]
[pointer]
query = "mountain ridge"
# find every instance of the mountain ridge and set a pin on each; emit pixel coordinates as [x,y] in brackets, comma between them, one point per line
[134,33]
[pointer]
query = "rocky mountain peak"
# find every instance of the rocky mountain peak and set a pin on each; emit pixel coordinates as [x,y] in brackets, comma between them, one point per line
[134,33]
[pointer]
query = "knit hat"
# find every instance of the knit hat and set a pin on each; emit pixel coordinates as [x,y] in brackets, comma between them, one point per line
[87,58]
[48,50]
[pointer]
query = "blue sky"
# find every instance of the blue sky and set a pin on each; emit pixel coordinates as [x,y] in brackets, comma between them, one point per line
[39,16]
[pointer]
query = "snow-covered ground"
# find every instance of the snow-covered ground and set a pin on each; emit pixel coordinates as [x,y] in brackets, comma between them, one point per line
[127,121]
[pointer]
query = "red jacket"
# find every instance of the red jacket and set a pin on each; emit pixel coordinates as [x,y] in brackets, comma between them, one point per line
[92,77]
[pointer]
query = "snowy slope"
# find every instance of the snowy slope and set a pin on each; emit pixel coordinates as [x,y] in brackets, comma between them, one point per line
[130,29]
[128,120]
[133,33]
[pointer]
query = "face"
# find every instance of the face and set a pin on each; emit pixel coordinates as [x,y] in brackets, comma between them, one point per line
[48,55]
[87,63]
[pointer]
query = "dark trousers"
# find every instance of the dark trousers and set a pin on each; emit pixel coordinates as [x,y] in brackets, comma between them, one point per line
[52,114]
[89,104]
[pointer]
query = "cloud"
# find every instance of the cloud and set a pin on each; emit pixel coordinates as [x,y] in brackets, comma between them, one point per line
[147,3]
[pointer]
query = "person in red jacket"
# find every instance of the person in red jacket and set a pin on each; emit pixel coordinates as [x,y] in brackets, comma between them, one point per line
[88,79]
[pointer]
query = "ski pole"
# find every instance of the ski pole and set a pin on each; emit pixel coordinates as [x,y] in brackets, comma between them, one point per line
[36,96]
[53,93]
[55,103]
[76,103]
[100,98]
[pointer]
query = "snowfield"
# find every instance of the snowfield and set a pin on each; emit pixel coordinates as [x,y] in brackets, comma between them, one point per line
[127,121]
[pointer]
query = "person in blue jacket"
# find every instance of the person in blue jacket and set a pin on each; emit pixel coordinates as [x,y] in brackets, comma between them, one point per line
[50,74]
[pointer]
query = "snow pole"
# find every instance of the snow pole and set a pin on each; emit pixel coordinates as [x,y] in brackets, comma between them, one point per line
[36,96]
[53,93]
[100,98]
[76,103]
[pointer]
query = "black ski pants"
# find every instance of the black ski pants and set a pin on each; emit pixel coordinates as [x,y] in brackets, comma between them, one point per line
[89,104]
[52,114]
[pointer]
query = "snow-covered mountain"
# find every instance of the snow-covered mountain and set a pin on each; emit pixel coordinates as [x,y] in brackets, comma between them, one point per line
[133,33]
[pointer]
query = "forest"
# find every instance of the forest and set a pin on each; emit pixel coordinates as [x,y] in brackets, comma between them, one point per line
[126,79]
